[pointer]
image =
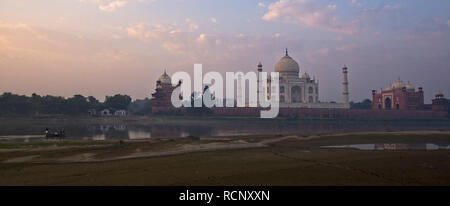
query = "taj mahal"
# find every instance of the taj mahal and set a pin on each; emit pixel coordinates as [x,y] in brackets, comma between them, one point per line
[302,92]
[295,91]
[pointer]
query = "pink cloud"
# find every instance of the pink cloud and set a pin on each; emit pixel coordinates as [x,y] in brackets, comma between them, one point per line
[112,6]
[314,56]
[310,14]
[346,47]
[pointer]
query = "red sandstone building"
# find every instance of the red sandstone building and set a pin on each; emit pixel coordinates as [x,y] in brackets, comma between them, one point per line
[403,96]
[161,99]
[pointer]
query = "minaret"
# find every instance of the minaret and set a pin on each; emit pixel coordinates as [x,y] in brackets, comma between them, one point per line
[258,82]
[345,84]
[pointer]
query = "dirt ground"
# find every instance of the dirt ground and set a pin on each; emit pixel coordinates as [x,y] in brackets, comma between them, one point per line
[244,160]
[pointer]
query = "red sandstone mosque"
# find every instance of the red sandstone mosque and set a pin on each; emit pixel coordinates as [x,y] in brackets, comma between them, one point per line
[403,96]
[161,102]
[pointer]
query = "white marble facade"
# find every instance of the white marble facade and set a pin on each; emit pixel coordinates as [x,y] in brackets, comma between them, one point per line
[296,91]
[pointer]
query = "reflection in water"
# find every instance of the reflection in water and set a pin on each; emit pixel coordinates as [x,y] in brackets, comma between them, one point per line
[388,146]
[98,137]
[132,134]
[200,128]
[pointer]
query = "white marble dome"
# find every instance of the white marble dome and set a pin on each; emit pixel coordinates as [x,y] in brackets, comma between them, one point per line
[287,65]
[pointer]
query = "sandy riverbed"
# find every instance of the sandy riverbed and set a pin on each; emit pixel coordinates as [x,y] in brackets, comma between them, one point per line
[255,160]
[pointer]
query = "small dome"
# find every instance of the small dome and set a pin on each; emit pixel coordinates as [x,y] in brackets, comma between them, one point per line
[287,64]
[306,76]
[409,86]
[439,94]
[398,84]
[165,79]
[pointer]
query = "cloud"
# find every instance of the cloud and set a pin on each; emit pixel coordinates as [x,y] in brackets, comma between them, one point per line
[138,31]
[192,24]
[37,45]
[214,20]
[346,47]
[112,6]
[428,29]
[224,51]
[171,37]
[391,7]
[316,55]
[383,13]
[309,13]
[338,38]
[261,4]
[201,38]
[116,37]
[355,3]
[35,59]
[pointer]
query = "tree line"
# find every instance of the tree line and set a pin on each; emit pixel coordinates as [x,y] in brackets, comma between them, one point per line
[22,105]
[365,104]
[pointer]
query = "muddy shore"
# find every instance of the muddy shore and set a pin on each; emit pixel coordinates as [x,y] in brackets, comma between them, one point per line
[238,160]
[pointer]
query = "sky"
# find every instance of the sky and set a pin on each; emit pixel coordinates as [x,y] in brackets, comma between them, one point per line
[105,47]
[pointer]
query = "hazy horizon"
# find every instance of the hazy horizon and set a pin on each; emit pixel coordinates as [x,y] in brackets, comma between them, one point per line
[105,47]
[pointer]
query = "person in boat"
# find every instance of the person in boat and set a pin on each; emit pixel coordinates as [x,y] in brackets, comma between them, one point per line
[62,133]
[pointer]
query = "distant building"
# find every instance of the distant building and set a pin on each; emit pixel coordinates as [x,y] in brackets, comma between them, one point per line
[120,113]
[92,112]
[403,96]
[161,99]
[120,127]
[439,102]
[399,96]
[105,112]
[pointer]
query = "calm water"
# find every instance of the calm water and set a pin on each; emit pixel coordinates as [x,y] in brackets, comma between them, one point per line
[160,128]
[390,146]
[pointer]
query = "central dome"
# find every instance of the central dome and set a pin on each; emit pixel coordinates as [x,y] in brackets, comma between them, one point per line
[287,65]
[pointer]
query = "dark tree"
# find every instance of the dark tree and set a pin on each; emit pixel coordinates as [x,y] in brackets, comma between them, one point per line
[140,107]
[118,102]
[94,103]
[78,104]
[366,104]
[13,105]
